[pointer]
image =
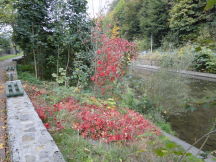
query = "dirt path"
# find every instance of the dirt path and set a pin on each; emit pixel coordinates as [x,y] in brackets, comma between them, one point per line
[3,136]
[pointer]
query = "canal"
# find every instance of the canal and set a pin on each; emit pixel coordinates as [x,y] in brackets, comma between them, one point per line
[190,104]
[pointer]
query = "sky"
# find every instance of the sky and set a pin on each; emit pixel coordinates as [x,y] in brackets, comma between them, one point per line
[96,6]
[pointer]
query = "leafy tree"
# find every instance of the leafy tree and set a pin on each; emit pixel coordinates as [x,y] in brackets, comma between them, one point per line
[72,37]
[210,4]
[55,34]
[7,12]
[4,43]
[187,16]
[130,22]
[29,30]
[153,19]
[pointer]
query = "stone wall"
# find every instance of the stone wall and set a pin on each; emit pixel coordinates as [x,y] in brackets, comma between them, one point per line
[29,140]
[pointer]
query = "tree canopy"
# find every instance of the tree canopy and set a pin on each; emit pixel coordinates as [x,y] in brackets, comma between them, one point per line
[177,22]
[54,33]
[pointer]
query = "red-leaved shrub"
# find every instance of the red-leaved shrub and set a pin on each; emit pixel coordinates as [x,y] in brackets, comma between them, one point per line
[100,123]
[112,58]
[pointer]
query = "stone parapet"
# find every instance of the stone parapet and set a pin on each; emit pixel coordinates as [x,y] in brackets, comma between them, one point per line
[29,140]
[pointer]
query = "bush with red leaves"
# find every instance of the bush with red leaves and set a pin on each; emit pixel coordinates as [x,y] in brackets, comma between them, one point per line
[100,123]
[112,58]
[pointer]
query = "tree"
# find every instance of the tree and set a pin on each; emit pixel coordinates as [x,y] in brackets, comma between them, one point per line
[72,37]
[210,4]
[130,23]
[7,12]
[4,43]
[55,34]
[187,16]
[30,30]
[139,19]
[153,19]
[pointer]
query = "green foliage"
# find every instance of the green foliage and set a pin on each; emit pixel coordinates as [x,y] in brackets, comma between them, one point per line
[25,68]
[171,148]
[143,44]
[169,22]
[186,16]
[205,61]
[55,34]
[7,12]
[2,58]
[25,76]
[153,17]
[61,77]
[4,43]
[129,20]
[140,18]
[210,4]
[75,148]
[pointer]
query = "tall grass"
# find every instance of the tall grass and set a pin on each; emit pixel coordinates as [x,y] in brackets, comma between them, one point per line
[6,57]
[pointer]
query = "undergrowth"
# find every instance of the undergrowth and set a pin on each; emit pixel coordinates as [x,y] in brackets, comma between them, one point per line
[75,148]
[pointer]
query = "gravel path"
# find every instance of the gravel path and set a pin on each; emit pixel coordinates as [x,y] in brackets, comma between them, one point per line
[3,117]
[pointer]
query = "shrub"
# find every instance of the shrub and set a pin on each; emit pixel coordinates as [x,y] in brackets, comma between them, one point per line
[97,123]
[111,60]
[205,60]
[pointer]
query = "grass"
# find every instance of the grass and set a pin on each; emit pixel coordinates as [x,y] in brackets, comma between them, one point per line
[74,148]
[6,57]
[149,148]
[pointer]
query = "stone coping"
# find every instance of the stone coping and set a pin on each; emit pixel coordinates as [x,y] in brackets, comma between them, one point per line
[29,140]
[192,74]
[193,150]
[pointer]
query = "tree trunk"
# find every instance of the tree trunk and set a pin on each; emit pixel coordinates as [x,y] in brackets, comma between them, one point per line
[68,60]
[35,64]
[15,48]
[151,43]
[35,61]
[58,62]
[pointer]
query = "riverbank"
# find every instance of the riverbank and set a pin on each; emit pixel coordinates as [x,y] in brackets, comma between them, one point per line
[191,74]
[46,95]
[191,99]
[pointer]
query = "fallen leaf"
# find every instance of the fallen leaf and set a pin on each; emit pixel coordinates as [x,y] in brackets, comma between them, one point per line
[1,145]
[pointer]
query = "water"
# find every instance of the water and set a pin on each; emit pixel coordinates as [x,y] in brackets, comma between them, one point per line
[192,125]
[191,104]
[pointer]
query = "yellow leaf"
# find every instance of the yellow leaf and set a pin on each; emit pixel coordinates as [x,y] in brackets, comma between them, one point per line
[1,146]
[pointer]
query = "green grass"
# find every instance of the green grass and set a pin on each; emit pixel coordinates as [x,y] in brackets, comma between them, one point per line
[25,73]
[2,58]
[75,148]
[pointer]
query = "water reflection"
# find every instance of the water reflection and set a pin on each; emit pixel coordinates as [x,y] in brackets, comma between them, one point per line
[191,103]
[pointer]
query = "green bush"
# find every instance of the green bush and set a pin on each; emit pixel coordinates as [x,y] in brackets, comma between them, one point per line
[143,44]
[25,68]
[26,76]
[204,61]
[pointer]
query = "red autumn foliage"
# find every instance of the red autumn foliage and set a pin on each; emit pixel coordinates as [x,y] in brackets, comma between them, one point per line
[47,125]
[100,123]
[42,113]
[110,125]
[111,59]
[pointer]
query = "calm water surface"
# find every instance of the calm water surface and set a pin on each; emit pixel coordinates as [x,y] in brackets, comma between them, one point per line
[193,123]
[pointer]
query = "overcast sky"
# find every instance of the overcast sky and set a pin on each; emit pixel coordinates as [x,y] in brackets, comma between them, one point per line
[96,6]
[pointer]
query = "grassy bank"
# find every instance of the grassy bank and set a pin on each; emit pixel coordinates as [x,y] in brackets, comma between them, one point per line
[2,58]
[146,147]
[190,57]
